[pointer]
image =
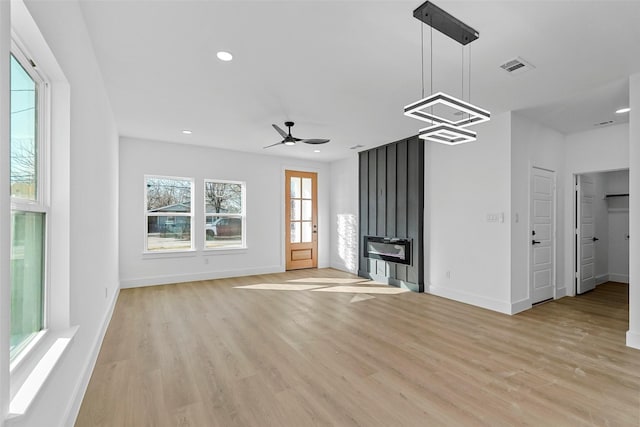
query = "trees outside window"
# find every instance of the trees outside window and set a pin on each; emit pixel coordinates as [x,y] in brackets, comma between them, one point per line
[224,203]
[168,213]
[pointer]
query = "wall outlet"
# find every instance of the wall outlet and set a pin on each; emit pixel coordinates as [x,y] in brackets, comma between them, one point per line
[448,275]
[206,260]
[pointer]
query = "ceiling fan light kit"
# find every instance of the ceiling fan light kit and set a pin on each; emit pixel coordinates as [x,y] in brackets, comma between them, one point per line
[446,131]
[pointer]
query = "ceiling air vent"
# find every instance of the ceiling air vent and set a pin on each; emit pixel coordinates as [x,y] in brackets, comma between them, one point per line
[605,123]
[517,66]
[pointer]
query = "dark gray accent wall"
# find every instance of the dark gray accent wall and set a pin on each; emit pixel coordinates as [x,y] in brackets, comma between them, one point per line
[392,205]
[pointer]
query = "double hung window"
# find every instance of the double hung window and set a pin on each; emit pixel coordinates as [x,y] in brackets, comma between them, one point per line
[224,214]
[168,213]
[29,202]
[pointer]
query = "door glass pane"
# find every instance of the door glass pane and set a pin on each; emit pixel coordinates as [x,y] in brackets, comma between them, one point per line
[295,210]
[295,232]
[306,210]
[24,155]
[168,233]
[306,232]
[295,187]
[306,188]
[27,276]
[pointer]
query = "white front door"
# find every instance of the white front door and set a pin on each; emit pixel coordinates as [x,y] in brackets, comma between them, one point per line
[586,239]
[542,254]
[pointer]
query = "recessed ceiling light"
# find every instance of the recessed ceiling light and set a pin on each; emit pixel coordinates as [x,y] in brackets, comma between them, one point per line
[224,56]
[316,151]
[623,110]
[187,132]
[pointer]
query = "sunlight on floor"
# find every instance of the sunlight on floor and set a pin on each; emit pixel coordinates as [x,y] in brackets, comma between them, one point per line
[280,287]
[334,280]
[363,290]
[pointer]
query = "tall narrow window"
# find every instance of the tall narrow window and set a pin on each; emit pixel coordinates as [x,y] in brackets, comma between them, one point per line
[28,203]
[168,213]
[224,214]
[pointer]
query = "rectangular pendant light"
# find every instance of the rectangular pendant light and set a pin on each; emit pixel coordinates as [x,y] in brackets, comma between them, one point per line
[446,133]
[475,114]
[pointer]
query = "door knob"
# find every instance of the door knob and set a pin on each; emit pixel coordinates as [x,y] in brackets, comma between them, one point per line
[595,239]
[535,242]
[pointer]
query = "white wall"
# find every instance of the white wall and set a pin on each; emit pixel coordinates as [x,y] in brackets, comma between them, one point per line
[469,257]
[93,232]
[532,145]
[344,214]
[264,177]
[633,335]
[603,149]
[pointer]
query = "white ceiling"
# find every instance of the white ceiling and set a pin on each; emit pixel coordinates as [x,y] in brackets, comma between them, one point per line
[345,69]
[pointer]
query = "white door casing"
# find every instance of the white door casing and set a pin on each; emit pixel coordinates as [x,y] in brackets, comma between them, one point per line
[585,229]
[542,234]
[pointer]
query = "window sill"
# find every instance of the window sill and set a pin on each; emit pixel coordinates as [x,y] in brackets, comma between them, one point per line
[224,251]
[169,254]
[30,373]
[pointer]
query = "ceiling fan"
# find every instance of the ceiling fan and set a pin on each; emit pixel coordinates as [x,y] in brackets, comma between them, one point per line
[290,140]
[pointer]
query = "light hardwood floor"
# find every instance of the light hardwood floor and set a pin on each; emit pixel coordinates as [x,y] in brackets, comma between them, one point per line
[211,354]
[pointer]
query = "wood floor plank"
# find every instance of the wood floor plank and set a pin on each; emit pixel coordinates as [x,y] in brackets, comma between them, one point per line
[216,353]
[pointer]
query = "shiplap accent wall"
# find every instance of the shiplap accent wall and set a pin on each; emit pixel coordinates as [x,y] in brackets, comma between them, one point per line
[392,205]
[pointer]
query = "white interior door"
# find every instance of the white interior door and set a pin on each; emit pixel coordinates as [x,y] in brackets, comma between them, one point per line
[542,218]
[585,229]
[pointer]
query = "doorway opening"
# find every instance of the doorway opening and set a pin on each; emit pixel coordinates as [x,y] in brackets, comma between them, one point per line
[601,225]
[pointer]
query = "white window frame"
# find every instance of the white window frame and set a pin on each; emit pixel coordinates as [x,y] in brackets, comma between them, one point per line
[147,251]
[42,201]
[242,215]
[29,371]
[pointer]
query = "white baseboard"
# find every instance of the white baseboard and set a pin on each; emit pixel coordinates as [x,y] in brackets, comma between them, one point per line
[633,339]
[195,277]
[622,278]
[81,386]
[561,292]
[602,278]
[518,306]
[467,298]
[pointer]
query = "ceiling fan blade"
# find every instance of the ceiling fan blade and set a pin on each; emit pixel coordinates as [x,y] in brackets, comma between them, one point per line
[280,131]
[273,145]
[315,141]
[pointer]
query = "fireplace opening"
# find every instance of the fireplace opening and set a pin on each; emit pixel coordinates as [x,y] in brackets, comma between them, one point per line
[391,249]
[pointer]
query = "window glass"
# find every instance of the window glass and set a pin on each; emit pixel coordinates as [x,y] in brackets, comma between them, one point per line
[306,188]
[223,197]
[306,232]
[24,143]
[169,214]
[27,276]
[295,187]
[168,195]
[28,207]
[224,214]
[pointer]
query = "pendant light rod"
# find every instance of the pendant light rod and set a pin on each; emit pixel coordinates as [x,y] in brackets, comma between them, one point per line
[447,24]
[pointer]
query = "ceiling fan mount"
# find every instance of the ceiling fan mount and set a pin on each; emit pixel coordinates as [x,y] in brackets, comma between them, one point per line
[290,139]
